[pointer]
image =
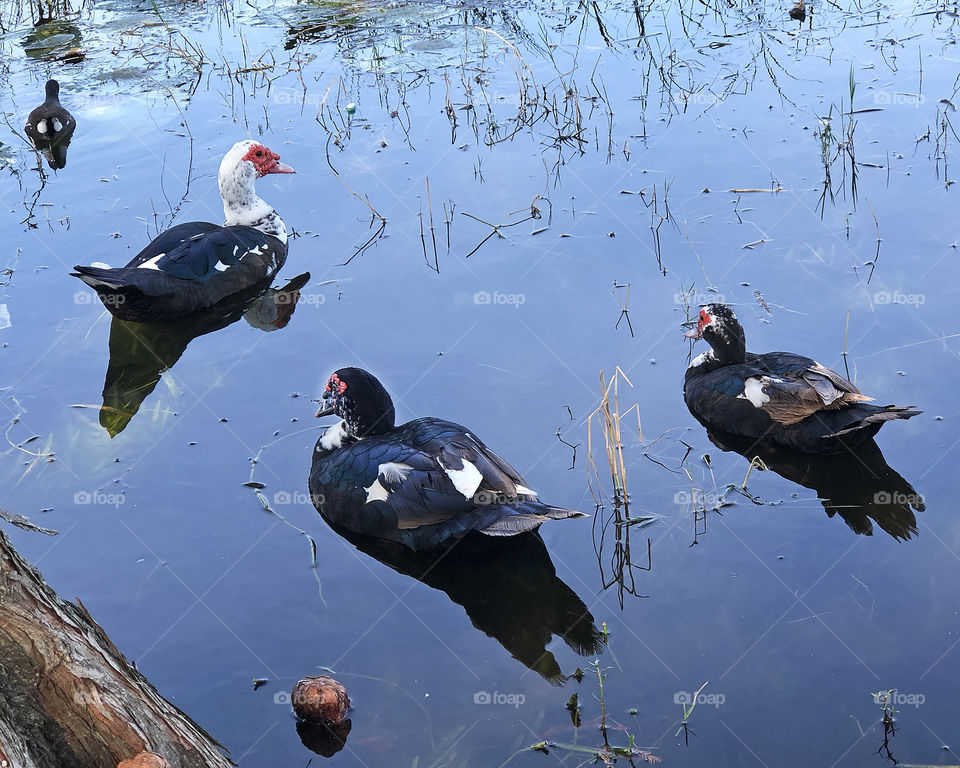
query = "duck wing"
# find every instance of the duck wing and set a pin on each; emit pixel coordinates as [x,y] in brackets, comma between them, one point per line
[794,387]
[771,389]
[199,250]
[189,267]
[427,473]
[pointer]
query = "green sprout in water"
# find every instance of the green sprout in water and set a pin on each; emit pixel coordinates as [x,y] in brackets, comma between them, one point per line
[885,700]
[606,754]
[688,707]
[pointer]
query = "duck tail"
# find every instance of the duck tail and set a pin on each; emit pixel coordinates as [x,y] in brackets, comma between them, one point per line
[878,416]
[526,516]
[99,278]
[559,513]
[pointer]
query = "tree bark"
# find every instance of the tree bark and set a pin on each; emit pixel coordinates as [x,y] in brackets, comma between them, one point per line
[68,697]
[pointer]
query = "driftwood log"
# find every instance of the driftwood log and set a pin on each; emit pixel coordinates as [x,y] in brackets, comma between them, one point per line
[68,697]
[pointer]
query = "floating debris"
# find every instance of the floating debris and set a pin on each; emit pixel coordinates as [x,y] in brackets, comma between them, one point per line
[320,698]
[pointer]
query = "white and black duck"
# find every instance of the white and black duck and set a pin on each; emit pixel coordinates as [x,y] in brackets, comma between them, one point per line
[50,127]
[784,398]
[194,266]
[425,484]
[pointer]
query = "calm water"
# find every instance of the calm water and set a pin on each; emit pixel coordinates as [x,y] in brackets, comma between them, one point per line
[630,147]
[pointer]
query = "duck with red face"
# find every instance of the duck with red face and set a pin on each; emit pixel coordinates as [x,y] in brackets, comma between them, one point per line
[195,265]
[779,397]
[424,484]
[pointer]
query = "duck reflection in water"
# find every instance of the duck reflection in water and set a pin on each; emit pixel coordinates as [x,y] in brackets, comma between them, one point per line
[141,352]
[508,587]
[857,485]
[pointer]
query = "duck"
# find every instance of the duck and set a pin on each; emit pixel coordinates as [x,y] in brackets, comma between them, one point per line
[426,484]
[780,397]
[194,266]
[50,127]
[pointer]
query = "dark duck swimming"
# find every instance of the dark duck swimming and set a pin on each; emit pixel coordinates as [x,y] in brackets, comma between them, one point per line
[50,127]
[425,484]
[779,397]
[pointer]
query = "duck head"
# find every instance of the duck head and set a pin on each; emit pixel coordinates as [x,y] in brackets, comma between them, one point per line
[360,400]
[246,162]
[52,91]
[719,327]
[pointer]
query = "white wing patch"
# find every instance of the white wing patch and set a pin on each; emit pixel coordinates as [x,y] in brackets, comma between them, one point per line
[221,267]
[391,472]
[376,492]
[333,436]
[753,391]
[152,263]
[100,265]
[465,480]
[42,126]
[57,125]
[394,472]
[524,491]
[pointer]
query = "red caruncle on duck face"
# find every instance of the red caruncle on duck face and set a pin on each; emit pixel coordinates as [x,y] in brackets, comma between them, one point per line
[703,321]
[265,160]
[331,395]
[336,386]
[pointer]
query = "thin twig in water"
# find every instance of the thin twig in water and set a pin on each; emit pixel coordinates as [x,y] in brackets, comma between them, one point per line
[375,215]
[846,329]
[495,228]
[624,311]
[876,256]
[573,461]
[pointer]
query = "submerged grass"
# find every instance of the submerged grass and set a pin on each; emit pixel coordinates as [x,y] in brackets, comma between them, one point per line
[605,754]
[609,420]
[617,523]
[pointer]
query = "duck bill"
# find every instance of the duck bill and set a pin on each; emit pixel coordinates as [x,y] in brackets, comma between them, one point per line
[327,408]
[279,167]
[694,333]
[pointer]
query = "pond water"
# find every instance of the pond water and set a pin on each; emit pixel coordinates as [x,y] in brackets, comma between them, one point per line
[647,158]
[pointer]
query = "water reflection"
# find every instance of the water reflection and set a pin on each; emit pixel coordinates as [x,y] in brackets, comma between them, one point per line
[858,486]
[323,738]
[509,589]
[141,352]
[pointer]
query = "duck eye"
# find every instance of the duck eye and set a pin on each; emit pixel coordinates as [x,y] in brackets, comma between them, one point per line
[259,153]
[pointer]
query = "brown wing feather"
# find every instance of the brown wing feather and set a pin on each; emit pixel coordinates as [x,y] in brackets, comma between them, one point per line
[796,395]
[832,386]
